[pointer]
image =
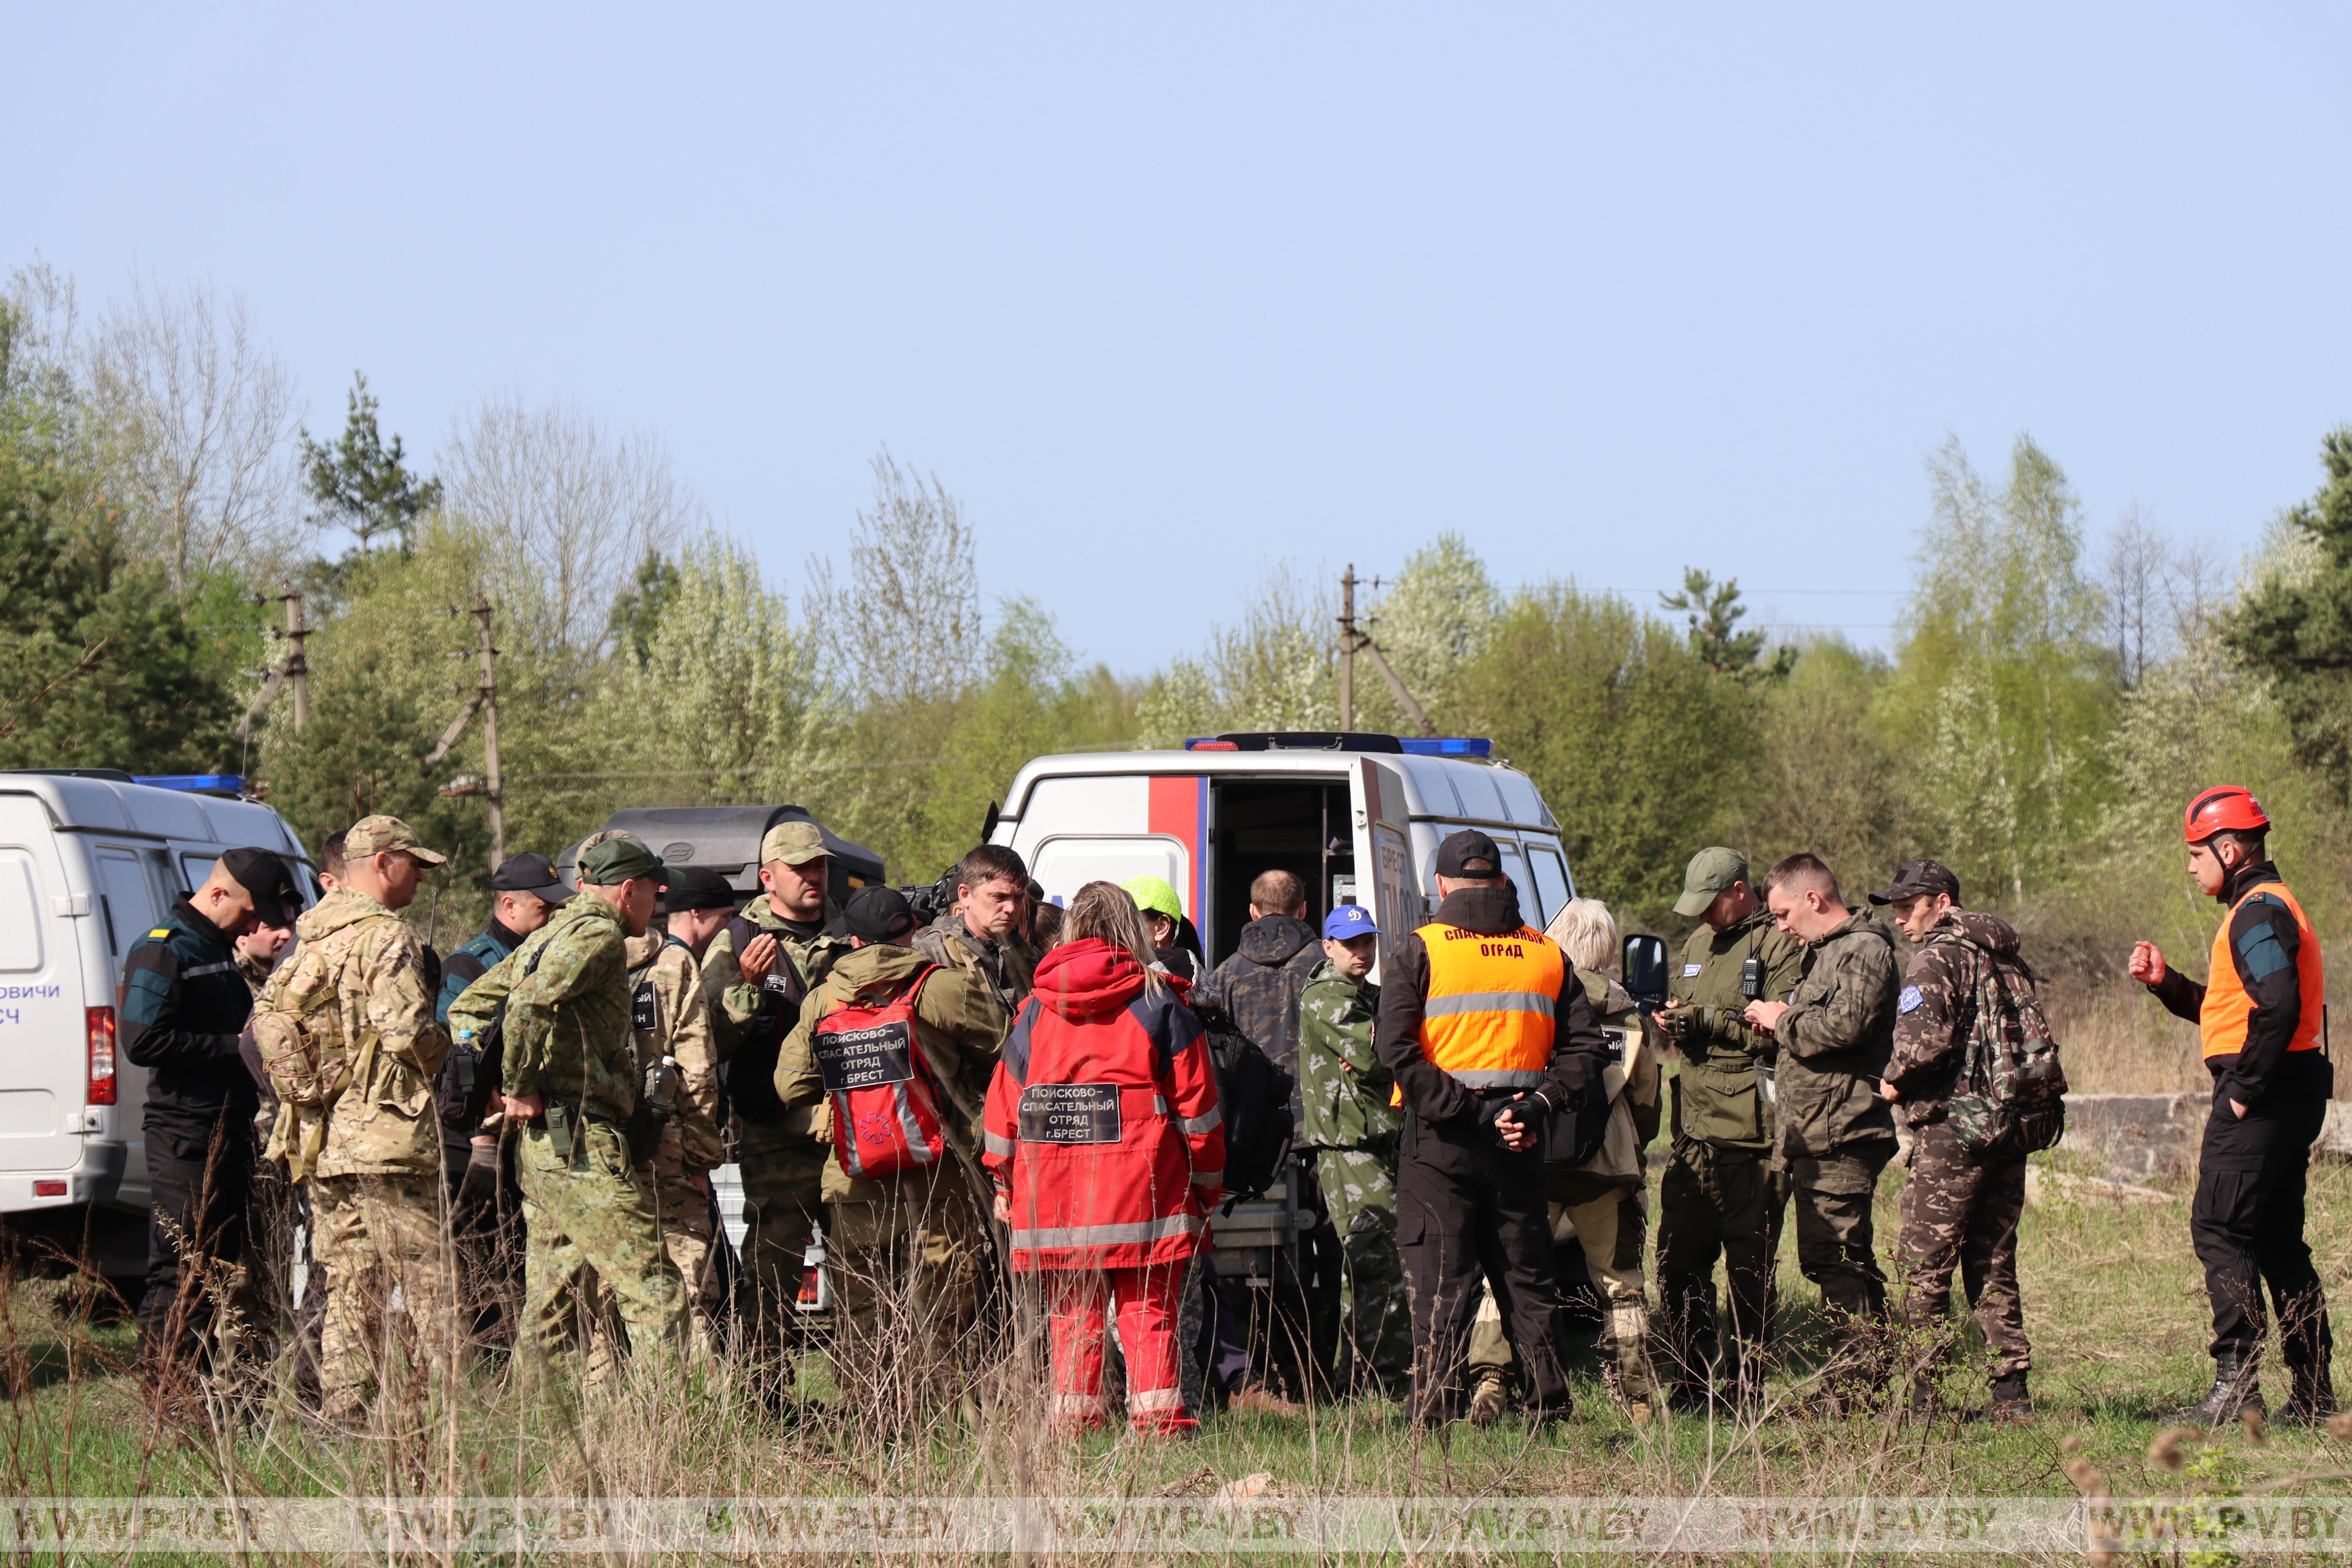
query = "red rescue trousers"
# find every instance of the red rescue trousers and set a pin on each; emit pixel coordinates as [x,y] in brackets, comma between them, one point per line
[1147,1300]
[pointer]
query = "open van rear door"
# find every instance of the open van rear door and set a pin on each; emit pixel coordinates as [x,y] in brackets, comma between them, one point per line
[44,1040]
[1384,843]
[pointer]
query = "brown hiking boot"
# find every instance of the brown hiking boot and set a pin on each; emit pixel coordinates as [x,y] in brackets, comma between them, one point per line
[1489,1397]
[1258,1399]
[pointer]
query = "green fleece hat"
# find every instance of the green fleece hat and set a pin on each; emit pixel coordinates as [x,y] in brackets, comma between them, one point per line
[1153,896]
[1710,872]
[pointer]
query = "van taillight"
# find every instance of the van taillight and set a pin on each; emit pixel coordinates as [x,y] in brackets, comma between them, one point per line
[101,1055]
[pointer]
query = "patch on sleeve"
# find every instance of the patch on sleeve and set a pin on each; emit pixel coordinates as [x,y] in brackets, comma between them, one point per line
[161,933]
[1689,970]
[1909,999]
[2263,952]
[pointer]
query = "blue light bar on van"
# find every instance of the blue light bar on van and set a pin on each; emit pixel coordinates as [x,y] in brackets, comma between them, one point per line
[1445,746]
[202,783]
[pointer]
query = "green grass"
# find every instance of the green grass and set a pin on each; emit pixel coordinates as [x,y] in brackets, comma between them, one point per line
[2113,1304]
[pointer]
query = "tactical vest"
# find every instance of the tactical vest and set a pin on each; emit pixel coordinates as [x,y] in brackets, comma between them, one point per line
[2221,1023]
[1488,1016]
[751,1076]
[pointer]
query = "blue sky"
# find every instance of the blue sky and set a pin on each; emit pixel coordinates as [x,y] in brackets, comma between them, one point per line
[1167,295]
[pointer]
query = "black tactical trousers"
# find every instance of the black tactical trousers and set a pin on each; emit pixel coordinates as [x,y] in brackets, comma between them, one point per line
[200,1175]
[1468,1208]
[2246,1220]
[1716,1201]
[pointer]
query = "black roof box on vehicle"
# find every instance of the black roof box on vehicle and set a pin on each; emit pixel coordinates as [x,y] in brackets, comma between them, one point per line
[726,839]
[1303,740]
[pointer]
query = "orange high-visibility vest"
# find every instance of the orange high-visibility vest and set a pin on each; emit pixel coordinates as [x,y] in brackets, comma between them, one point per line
[2221,1023]
[1488,1016]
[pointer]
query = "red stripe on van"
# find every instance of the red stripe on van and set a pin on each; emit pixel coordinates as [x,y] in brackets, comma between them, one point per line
[1180,808]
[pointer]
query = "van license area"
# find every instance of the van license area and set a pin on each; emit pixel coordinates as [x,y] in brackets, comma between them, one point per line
[861,1059]
[1069,1113]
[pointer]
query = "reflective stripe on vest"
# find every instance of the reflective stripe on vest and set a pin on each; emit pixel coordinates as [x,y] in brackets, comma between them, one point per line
[1487,1018]
[2221,1023]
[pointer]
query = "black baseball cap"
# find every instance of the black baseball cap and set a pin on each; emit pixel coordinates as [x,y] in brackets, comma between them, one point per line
[1469,853]
[879,914]
[1914,878]
[267,882]
[530,873]
[696,888]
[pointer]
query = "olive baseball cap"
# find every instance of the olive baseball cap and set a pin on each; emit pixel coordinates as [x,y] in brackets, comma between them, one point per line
[616,861]
[1710,872]
[376,835]
[794,842]
[1914,878]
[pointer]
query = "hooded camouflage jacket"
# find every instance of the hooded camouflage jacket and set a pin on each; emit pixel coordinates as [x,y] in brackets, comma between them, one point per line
[345,1031]
[667,1018]
[1004,969]
[1260,985]
[952,1023]
[1834,1040]
[1344,1087]
[1937,1008]
[567,1027]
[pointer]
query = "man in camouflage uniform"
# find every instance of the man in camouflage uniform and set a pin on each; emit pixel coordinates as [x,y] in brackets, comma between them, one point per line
[1956,1208]
[570,1085]
[1833,1035]
[980,937]
[347,1033]
[1353,1129]
[758,972]
[903,1250]
[670,1024]
[1718,1197]
[1259,984]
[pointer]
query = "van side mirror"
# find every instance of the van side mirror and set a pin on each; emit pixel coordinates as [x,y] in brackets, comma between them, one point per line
[1643,965]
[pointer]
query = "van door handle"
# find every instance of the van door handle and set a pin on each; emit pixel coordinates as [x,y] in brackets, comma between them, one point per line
[65,906]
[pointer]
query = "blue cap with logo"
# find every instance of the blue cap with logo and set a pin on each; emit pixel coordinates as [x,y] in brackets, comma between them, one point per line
[1350,920]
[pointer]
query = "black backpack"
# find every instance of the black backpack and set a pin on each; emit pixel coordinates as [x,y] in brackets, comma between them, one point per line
[469,1072]
[1256,1095]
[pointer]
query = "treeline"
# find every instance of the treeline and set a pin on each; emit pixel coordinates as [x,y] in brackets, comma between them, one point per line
[2054,698]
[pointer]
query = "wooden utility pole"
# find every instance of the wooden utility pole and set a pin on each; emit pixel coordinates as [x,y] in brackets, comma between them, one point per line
[295,667]
[1348,648]
[483,700]
[1352,639]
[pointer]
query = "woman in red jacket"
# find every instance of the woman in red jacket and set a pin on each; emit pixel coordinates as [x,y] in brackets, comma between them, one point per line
[1108,1145]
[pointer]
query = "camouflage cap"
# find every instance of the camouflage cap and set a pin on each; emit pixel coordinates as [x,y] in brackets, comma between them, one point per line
[612,860]
[377,835]
[1710,872]
[794,842]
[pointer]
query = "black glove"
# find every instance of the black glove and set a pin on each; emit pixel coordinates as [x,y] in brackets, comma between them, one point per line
[479,1189]
[1528,1111]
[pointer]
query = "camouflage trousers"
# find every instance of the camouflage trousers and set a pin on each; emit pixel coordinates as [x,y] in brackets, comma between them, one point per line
[1610,1227]
[1375,1314]
[376,1235]
[1716,1202]
[688,1240]
[906,1279]
[1958,1211]
[593,1212]
[783,1181]
[1836,1243]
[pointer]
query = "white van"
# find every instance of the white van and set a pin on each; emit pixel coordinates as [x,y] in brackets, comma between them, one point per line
[1357,816]
[89,858]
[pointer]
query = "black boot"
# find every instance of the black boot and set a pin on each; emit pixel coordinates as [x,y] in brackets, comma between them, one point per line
[2010,1403]
[2314,1398]
[2237,1388]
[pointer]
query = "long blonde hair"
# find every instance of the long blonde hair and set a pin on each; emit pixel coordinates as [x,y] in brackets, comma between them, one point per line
[1108,912]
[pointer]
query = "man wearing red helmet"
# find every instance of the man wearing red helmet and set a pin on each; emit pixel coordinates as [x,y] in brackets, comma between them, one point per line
[2258,1020]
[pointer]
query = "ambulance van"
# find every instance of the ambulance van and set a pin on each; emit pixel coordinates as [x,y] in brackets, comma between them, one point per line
[1358,817]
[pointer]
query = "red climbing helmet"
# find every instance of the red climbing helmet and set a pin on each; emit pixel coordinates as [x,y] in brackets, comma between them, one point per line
[2223,809]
